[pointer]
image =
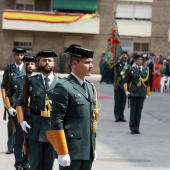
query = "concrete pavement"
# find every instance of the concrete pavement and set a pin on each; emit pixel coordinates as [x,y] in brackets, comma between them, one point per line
[116,148]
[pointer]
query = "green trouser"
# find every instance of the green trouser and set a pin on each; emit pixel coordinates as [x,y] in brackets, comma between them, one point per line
[40,155]
[78,165]
[10,142]
[21,160]
[119,103]
[136,104]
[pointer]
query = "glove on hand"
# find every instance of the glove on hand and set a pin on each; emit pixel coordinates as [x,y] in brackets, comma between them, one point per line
[95,155]
[127,93]
[147,96]
[12,111]
[24,126]
[64,160]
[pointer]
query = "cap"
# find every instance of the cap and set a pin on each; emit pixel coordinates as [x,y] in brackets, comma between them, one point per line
[29,58]
[136,56]
[125,52]
[77,50]
[19,50]
[46,54]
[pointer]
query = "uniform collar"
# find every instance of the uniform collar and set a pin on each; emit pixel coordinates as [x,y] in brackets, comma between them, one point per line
[79,80]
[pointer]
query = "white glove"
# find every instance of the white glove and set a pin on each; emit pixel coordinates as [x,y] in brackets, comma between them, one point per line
[12,111]
[95,156]
[24,126]
[147,96]
[64,160]
[127,93]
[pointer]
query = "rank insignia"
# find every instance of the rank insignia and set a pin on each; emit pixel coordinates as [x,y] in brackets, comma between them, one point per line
[77,95]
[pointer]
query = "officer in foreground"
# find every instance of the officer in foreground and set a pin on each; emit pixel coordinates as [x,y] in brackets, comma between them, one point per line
[75,113]
[40,90]
[137,88]
[11,71]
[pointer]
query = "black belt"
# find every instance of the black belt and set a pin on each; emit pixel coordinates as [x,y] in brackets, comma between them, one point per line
[36,112]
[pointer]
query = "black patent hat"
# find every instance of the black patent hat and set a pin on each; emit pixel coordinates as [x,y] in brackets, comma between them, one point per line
[46,54]
[19,50]
[78,51]
[29,58]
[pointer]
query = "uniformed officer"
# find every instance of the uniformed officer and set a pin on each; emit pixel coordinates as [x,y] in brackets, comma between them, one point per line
[40,92]
[120,74]
[139,89]
[11,70]
[73,123]
[21,159]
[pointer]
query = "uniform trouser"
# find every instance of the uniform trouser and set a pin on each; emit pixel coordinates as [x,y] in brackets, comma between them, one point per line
[40,155]
[21,160]
[120,103]
[78,165]
[10,142]
[136,104]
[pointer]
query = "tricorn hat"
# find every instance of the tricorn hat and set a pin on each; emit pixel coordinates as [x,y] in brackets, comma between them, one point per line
[46,54]
[19,50]
[78,51]
[29,58]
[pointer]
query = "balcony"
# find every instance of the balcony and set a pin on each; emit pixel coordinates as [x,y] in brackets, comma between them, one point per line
[50,22]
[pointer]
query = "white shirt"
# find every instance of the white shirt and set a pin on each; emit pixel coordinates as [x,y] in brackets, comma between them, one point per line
[51,77]
[20,67]
[79,80]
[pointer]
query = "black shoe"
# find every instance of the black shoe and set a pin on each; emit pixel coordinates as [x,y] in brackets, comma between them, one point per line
[117,120]
[26,168]
[18,168]
[122,120]
[137,132]
[132,132]
[10,151]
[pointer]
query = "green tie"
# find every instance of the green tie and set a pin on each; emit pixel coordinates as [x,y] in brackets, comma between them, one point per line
[46,82]
[84,85]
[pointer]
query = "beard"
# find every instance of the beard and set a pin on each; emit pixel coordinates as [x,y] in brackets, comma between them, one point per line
[46,70]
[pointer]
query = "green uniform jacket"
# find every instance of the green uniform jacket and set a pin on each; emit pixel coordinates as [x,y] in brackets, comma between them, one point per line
[72,111]
[120,75]
[10,69]
[133,78]
[37,92]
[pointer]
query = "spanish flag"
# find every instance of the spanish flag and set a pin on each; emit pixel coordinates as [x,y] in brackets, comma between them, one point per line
[45,16]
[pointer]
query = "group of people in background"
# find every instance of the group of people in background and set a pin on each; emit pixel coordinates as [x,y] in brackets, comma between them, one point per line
[133,77]
[159,68]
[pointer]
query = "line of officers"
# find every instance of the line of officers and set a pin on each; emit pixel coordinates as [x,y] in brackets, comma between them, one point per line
[132,83]
[48,116]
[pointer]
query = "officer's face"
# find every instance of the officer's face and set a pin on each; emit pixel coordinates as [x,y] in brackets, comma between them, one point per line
[18,58]
[139,61]
[30,67]
[47,64]
[82,67]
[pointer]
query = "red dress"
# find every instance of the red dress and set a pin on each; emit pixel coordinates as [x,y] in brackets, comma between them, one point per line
[156,77]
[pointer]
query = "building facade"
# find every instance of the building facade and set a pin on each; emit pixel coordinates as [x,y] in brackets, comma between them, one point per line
[53,25]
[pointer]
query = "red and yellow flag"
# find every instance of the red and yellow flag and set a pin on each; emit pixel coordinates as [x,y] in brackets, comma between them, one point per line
[45,17]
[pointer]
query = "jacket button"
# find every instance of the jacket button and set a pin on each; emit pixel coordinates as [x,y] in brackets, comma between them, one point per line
[77,102]
[71,136]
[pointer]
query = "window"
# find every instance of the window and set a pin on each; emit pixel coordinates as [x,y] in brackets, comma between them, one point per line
[25,42]
[134,12]
[127,46]
[24,5]
[141,47]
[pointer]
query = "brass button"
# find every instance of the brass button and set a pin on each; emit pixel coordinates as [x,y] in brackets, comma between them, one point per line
[71,136]
[77,102]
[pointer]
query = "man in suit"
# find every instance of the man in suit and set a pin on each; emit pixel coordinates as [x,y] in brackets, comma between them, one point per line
[40,90]
[21,158]
[72,122]
[139,89]
[11,71]
[120,74]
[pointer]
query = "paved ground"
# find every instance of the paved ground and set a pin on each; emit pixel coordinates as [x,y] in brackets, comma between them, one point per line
[117,149]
